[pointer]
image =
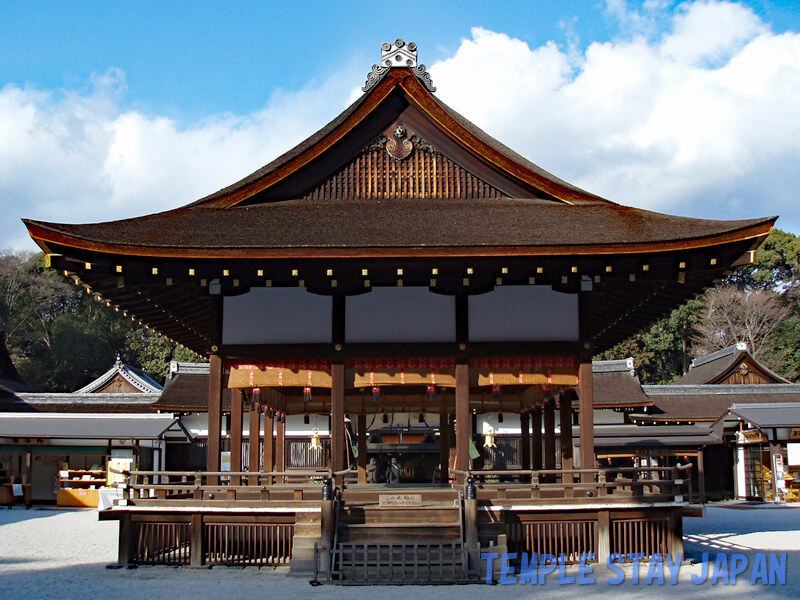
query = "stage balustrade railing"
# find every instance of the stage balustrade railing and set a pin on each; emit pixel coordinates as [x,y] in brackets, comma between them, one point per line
[607,484]
[610,484]
[295,484]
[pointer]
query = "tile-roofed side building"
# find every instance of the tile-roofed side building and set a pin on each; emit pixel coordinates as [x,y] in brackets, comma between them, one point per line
[694,403]
[734,365]
[713,383]
[122,378]
[186,389]
[616,385]
[129,402]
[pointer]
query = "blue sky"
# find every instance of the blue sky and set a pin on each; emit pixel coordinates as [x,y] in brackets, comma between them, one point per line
[108,110]
[190,59]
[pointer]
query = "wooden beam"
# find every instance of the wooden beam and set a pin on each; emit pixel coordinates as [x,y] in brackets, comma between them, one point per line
[214,416]
[362,448]
[337,418]
[255,443]
[463,419]
[236,435]
[586,414]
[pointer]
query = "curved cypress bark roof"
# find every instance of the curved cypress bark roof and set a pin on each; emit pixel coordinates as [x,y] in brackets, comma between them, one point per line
[497,226]
[355,190]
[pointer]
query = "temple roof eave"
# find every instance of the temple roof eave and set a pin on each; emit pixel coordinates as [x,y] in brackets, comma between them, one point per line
[80,237]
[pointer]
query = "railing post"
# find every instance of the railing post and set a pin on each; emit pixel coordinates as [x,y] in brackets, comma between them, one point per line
[536,492]
[326,526]
[471,522]
[602,489]
[197,494]
[127,541]
[603,536]
[196,553]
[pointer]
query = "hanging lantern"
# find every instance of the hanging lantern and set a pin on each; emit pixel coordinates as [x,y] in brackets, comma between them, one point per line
[421,418]
[376,394]
[306,419]
[385,418]
[488,438]
[499,417]
[430,393]
[497,393]
[315,443]
[306,394]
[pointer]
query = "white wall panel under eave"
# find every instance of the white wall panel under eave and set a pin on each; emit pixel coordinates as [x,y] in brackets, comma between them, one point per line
[276,315]
[400,314]
[516,313]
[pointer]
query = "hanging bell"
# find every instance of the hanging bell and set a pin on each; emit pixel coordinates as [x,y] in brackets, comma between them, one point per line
[306,419]
[488,439]
[315,443]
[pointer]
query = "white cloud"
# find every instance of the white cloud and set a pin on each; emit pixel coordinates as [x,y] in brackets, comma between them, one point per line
[79,158]
[700,120]
[696,117]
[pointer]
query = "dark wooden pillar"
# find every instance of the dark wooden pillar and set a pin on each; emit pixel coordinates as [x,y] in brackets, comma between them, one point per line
[280,449]
[565,414]
[463,420]
[214,416]
[586,415]
[236,435]
[549,437]
[269,445]
[444,446]
[255,443]
[362,448]
[525,441]
[337,419]
[536,439]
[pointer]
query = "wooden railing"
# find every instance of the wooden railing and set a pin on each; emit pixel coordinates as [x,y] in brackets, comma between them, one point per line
[620,483]
[540,486]
[223,485]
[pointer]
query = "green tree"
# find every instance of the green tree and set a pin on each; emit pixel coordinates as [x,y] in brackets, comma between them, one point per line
[60,337]
[661,352]
[775,264]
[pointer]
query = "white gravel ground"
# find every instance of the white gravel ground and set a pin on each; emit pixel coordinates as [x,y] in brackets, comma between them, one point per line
[47,553]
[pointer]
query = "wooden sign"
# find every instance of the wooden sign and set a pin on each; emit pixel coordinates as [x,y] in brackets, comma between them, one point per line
[400,500]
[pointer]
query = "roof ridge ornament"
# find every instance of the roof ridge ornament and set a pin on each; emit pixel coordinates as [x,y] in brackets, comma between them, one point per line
[398,54]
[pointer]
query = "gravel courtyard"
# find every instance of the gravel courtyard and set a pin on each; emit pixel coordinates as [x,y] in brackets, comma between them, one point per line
[47,553]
